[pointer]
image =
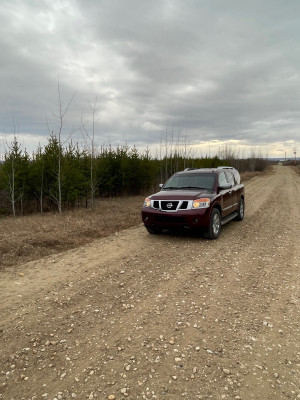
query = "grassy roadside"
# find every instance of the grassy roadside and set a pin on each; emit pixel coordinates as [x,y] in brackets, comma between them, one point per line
[297,169]
[29,238]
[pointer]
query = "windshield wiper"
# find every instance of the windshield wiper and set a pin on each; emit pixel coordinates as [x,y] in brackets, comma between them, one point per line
[183,187]
[192,187]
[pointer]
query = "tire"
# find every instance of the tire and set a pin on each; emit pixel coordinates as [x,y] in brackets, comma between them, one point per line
[154,230]
[214,229]
[241,210]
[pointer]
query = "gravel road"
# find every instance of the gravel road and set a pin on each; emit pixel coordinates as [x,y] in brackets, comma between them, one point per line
[171,316]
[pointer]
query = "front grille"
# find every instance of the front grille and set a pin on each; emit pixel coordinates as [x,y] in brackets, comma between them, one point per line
[184,205]
[169,205]
[170,219]
[156,204]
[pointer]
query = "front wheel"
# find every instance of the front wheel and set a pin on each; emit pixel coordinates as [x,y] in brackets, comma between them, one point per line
[214,229]
[153,229]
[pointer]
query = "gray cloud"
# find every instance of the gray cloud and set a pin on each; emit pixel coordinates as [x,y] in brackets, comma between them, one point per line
[219,70]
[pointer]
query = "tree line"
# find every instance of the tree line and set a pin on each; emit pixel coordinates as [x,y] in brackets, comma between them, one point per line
[59,177]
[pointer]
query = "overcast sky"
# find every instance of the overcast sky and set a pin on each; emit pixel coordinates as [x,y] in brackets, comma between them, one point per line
[209,72]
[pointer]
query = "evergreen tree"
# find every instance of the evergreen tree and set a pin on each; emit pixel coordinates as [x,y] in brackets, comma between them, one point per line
[15,171]
[52,158]
[37,173]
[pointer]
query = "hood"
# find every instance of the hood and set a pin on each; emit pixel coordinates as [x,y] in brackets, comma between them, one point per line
[180,194]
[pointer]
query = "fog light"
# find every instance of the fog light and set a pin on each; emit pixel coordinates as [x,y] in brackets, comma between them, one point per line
[195,221]
[146,219]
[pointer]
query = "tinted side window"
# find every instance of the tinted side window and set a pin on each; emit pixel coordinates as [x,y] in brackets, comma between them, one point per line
[230,178]
[222,179]
[237,177]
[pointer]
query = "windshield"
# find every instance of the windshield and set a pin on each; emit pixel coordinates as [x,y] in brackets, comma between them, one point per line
[192,181]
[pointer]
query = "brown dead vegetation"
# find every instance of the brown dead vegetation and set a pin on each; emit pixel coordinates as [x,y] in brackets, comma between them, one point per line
[249,175]
[297,169]
[28,238]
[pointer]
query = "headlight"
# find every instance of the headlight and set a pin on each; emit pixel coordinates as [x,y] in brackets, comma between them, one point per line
[201,203]
[147,202]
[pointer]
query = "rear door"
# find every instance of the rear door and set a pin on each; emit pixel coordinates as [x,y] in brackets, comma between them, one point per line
[226,195]
[234,194]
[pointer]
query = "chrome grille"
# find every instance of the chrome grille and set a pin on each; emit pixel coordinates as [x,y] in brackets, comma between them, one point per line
[169,205]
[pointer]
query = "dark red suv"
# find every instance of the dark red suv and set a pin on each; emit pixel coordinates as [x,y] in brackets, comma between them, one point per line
[203,198]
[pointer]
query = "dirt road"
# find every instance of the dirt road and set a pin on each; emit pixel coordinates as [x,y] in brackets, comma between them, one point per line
[139,316]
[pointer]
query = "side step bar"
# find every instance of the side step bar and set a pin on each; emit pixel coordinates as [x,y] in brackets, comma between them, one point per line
[229,218]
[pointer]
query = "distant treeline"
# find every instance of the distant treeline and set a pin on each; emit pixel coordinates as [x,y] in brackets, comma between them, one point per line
[56,178]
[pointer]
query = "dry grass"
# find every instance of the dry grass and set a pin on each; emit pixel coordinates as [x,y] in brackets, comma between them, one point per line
[297,169]
[249,175]
[246,176]
[28,238]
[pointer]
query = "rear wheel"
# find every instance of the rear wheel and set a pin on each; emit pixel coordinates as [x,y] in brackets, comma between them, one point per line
[214,226]
[241,210]
[153,229]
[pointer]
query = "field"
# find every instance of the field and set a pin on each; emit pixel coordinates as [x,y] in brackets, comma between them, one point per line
[28,238]
[172,316]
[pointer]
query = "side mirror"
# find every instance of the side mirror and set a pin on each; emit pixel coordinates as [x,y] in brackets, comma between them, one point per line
[161,185]
[226,186]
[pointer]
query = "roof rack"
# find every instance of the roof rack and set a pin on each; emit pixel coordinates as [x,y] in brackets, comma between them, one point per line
[190,169]
[225,167]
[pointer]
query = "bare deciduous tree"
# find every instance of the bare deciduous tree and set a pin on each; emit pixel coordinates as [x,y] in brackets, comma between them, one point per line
[11,156]
[62,112]
[90,143]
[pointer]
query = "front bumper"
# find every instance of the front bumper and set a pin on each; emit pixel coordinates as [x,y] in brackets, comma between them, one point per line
[180,219]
